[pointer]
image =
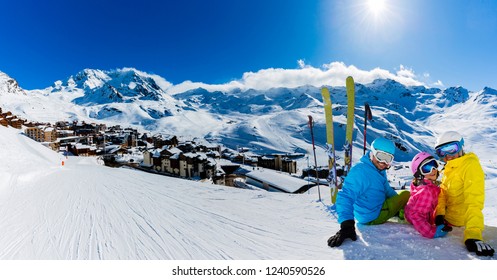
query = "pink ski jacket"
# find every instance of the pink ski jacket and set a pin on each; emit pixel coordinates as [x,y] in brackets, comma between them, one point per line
[421,207]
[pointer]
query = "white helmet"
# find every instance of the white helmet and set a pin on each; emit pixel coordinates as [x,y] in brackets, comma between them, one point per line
[447,137]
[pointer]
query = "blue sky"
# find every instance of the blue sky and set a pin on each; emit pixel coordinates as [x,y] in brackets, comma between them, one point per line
[443,42]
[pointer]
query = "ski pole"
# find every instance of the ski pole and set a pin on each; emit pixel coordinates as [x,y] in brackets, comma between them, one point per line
[367,116]
[314,151]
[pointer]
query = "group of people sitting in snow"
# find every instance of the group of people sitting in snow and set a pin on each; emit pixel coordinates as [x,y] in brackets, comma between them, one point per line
[432,207]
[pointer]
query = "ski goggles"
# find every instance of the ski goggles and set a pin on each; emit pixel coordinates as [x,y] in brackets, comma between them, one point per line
[449,149]
[426,167]
[382,156]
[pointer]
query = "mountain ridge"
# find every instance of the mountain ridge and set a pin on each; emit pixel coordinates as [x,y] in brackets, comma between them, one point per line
[249,118]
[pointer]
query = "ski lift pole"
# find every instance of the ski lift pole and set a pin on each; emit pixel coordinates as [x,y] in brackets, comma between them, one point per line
[314,151]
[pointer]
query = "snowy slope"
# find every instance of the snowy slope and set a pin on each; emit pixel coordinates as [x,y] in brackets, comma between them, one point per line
[85,211]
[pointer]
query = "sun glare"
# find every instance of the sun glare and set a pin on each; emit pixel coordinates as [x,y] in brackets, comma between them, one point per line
[376,6]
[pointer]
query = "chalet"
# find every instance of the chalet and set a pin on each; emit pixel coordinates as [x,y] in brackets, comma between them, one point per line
[62,133]
[175,162]
[41,133]
[153,158]
[322,172]
[209,148]
[117,150]
[116,138]
[213,154]
[146,138]
[83,128]
[115,128]
[288,165]
[199,165]
[4,122]
[63,125]
[168,161]
[227,171]
[188,147]
[267,162]
[16,123]
[8,118]
[33,124]
[278,162]
[100,127]
[131,136]
[82,150]
[50,134]
[161,140]
[245,158]
[148,158]
[220,177]
[6,114]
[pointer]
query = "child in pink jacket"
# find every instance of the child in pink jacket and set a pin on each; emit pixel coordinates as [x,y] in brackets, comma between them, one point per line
[420,209]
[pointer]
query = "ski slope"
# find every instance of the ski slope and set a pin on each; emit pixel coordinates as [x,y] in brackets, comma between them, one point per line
[84,211]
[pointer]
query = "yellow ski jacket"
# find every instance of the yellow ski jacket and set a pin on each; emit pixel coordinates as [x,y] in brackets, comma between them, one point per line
[462,195]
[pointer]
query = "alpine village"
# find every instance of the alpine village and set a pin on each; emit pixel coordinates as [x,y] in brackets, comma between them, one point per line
[166,155]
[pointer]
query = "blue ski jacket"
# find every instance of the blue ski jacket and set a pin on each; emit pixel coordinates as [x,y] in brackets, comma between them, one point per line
[364,191]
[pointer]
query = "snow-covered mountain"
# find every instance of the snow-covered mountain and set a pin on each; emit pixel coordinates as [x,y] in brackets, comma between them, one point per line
[9,86]
[81,210]
[263,120]
[121,86]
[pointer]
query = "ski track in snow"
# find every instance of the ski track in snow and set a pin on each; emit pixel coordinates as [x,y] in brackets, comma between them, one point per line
[84,211]
[83,215]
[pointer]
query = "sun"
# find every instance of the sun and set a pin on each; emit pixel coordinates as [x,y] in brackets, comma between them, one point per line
[377,6]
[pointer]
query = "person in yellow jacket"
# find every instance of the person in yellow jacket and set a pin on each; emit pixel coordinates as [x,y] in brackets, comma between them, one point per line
[462,195]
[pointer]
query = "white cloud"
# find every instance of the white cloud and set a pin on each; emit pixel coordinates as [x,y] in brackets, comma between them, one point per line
[439,84]
[405,72]
[332,74]
[301,63]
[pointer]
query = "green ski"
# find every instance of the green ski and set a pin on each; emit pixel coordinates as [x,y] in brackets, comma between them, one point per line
[330,144]
[350,125]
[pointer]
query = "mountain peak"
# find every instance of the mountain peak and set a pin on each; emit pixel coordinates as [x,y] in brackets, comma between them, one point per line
[9,85]
[489,90]
[120,85]
[90,78]
[456,94]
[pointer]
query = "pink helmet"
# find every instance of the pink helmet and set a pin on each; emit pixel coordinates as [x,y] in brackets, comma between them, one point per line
[417,160]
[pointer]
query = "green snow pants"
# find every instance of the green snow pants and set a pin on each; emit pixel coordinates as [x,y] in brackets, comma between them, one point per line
[391,207]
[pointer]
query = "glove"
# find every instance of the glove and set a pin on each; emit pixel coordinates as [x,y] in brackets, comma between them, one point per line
[442,231]
[439,220]
[447,228]
[479,247]
[347,230]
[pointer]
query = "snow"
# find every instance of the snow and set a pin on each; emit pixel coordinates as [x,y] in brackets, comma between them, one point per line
[81,210]
[84,211]
[281,180]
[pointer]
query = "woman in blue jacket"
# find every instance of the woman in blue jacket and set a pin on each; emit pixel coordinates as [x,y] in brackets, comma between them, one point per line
[366,195]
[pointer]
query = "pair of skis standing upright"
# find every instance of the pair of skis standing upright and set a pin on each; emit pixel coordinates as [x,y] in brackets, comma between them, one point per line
[334,180]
